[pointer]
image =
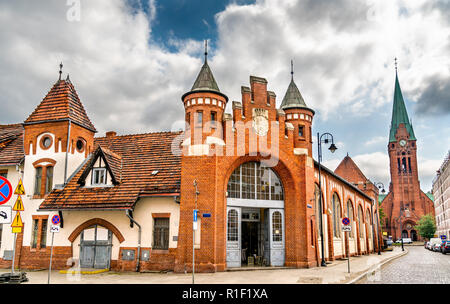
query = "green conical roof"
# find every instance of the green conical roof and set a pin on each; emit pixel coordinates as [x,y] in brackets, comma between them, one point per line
[205,80]
[293,98]
[399,114]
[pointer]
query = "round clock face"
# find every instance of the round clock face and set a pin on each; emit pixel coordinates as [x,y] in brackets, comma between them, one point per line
[402,142]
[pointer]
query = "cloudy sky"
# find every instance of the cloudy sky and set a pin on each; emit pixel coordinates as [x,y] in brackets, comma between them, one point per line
[131,61]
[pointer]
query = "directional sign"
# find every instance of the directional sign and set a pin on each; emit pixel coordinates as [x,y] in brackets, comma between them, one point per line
[56,220]
[20,190]
[5,190]
[346,221]
[5,214]
[206,214]
[17,222]
[54,229]
[18,206]
[443,237]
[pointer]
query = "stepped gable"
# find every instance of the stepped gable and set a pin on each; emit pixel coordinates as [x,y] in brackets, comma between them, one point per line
[138,157]
[61,103]
[11,144]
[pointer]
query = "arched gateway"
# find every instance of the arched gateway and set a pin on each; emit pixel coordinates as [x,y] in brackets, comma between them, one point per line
[255,217]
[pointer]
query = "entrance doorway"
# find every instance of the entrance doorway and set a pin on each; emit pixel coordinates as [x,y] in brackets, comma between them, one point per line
[95,247]
[250,243]
[413,235]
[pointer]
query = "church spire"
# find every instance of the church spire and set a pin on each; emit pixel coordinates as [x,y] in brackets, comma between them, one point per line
[399,113]
[293,98]
[205,79]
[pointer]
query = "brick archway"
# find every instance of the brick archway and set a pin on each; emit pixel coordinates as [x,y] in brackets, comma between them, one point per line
[96,221]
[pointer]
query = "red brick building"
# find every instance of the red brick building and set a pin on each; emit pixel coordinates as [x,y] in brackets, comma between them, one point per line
[127,201]
[406,202]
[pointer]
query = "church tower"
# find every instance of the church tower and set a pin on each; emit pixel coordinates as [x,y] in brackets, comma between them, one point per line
[405,203]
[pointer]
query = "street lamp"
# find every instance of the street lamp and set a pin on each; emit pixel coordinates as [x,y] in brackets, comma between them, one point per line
[379,185]
[332,148]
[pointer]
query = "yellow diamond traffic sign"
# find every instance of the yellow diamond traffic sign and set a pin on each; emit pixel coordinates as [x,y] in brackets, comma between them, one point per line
[18,206]
[17,222]
[20,190]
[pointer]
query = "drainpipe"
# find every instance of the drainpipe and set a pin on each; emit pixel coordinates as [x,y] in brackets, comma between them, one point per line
[127,212]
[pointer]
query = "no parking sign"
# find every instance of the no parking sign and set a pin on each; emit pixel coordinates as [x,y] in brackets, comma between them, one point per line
[5,190]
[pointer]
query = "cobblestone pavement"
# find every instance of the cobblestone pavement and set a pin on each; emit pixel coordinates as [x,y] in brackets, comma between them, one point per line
[419,266]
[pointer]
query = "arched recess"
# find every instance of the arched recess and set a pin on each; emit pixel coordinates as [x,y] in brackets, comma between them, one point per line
[96,221]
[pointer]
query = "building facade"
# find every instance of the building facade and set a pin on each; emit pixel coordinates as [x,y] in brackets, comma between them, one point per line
[405,203]
[127,202]
[441,193]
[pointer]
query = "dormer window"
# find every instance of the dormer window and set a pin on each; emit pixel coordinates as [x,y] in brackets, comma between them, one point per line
[98,176]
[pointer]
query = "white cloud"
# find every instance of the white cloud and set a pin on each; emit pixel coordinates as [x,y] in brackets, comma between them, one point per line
[376,140]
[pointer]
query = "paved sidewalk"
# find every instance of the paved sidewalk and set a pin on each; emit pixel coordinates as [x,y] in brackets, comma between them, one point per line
[332,274]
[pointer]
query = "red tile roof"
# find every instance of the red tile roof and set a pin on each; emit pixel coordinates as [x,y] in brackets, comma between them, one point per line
[11,144]
[137,156]
[62,102]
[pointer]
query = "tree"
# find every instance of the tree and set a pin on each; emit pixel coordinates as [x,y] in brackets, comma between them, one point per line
[426,226]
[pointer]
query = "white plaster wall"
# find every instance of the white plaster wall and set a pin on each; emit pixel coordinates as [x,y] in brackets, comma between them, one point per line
[142,214]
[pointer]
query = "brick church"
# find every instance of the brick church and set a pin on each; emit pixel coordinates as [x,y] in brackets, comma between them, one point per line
[126,202]
[406,202]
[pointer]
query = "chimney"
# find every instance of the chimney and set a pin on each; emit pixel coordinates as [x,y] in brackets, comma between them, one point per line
[110,134]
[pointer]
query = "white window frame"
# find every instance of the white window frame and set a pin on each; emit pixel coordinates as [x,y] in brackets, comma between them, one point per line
[94,171]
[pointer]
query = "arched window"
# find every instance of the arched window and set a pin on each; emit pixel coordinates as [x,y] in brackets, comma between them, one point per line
[318,210]
[233,229]
[368,222]
[277,226]
[336,215]
[253,180]
[360,222]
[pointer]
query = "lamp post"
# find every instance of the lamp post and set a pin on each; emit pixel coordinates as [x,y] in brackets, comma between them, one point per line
[332,148]
[379,185]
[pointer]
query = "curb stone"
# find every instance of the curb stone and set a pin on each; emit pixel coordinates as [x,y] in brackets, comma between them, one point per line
[381,264]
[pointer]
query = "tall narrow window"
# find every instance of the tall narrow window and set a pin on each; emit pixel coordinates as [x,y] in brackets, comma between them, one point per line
[300,131]
[318,210]
[336,216]
[277,227]
[43,233]
[38,181]
[232,226]
[34,235]
[398,165]
[409,164]
[360,222]
[161,233]
[213,119]
[199,118]
[49,180]
[404,165]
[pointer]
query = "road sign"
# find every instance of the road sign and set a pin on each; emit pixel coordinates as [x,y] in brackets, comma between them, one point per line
[56,220]
[346,221]
[206,214]
[5,190]
[443,237]
[5,215]
[20,190]
[17,230]
[18,206]
[54,228]
[17,222]
[346,228]
[195,215]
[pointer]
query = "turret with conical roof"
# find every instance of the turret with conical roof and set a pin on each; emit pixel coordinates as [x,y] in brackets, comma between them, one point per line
[300,116]
[204,108]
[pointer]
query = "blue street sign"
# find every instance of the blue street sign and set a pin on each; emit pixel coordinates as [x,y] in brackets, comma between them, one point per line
[5,190]
[206,214]
[443,237]
[195,215]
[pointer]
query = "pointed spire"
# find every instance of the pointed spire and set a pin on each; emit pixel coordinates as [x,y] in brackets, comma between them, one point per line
[399,113]
[293,98]
[60,70]
[206,50]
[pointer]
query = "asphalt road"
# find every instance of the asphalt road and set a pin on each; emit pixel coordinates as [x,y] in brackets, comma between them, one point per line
[419,266]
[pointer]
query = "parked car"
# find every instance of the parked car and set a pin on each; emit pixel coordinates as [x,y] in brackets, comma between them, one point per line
[442,245]
[405,241]
[427,244]
[389,242]
[445,248]
[434,241]
[437,247]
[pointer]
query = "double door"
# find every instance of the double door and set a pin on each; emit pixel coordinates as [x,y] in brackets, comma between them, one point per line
[274,237]
[95,248]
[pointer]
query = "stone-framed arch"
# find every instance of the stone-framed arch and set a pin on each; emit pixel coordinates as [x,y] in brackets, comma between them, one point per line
[96,221]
